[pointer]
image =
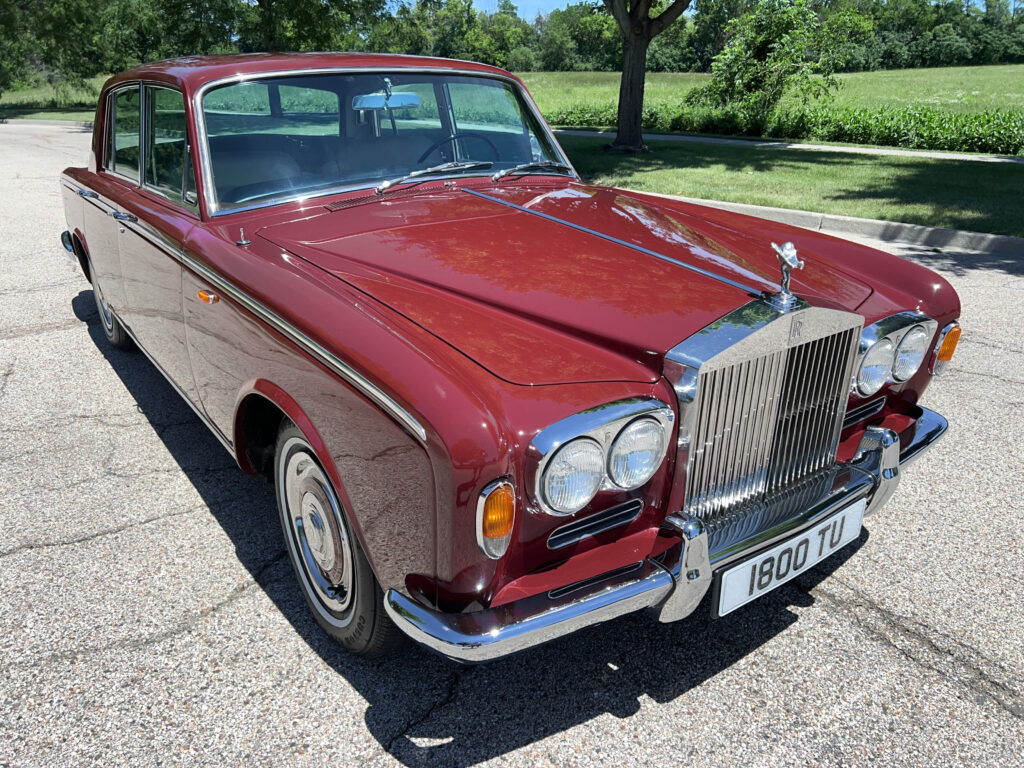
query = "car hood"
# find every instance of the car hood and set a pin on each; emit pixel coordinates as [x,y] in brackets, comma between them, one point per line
[545,285]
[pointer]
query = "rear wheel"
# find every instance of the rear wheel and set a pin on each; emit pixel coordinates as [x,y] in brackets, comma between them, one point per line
[112,328]
[334,574]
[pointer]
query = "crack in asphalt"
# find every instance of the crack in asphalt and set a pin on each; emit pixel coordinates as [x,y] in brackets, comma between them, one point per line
[448,698]
[103,419]
[917,645]
[989,376]
[107,472]
[990,345]
[5,376]
[182,627]
[32,545]
[39,330]
[37,288]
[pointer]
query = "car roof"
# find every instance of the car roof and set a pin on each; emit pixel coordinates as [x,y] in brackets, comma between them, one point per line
[192,72]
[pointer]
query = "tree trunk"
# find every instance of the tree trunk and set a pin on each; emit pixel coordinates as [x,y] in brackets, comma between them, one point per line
[629,137]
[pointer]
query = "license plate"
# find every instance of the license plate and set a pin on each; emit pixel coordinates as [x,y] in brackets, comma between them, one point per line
[753,578]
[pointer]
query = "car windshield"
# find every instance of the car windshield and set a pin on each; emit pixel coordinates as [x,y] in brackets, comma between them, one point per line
[278,138]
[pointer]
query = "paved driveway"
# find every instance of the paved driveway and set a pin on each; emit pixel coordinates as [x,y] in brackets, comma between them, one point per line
[148,615]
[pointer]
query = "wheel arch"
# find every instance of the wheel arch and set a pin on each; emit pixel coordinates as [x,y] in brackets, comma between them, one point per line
[258,415]
[81,253]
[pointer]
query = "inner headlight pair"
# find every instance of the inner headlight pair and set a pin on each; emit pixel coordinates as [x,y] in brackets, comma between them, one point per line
[579,468]
[894,352]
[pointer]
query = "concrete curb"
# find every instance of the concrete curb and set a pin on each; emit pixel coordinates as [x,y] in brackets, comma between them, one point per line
[914,234]
[30,121]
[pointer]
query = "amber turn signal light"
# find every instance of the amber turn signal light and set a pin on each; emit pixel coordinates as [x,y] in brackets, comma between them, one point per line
[946,347]
[208,298]
[496,513]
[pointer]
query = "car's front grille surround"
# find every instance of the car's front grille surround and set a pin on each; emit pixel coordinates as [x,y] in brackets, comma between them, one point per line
[762,400]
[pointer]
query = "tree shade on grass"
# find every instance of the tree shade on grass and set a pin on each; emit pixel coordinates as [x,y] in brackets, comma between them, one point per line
[980,197]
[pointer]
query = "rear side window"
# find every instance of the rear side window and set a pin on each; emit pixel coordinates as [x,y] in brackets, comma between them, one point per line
[124,136]
[168,166]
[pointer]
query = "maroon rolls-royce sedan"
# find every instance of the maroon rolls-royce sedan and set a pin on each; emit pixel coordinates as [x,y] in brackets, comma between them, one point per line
[498,403]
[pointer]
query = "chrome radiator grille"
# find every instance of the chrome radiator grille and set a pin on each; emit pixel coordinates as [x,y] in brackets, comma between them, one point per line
[767,416]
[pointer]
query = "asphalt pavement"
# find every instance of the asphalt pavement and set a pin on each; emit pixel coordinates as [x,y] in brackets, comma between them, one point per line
[149,616]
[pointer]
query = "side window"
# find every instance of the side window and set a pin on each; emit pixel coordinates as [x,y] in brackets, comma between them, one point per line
[124,133]
[168,166]
[492,108]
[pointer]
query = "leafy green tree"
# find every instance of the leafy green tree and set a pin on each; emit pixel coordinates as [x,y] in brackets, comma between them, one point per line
[709,28]
[769,55]
[307,25]
[943,47]
[15,45]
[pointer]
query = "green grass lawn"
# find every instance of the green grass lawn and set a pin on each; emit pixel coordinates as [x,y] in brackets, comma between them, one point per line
[43,103]
[982,197]
[954,89]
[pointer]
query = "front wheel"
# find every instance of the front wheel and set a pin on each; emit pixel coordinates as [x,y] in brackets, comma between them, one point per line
[334,574]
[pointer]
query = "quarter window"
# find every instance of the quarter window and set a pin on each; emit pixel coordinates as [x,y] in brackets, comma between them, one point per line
[124,145]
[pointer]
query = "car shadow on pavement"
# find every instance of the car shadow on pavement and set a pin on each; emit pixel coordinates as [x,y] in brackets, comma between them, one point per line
[428,711]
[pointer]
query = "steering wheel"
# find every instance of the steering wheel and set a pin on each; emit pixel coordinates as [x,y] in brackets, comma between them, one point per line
[455,137]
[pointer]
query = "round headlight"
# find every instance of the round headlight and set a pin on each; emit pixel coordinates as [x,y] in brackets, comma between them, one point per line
[636,453]
[910,353]
[573,476]
[875,368]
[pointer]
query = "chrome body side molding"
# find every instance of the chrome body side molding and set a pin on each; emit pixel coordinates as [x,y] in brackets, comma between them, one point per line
[304,342]
[676,583]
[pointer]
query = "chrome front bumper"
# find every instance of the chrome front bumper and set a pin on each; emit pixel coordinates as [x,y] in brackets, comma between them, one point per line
[675,584]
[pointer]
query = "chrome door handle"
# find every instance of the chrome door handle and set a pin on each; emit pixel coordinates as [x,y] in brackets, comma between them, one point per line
[123,216]
[86,193]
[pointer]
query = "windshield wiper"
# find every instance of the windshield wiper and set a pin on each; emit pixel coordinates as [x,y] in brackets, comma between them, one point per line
[470,165]
[541,166]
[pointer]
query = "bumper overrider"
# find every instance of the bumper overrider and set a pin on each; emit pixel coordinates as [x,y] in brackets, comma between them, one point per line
[674,584]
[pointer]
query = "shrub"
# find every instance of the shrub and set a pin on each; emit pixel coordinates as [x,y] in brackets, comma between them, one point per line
[994,131]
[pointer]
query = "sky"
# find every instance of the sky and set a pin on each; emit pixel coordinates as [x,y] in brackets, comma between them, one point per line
[528,9]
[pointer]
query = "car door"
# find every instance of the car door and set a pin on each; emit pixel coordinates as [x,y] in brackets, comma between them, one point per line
[119,174]
[159,214]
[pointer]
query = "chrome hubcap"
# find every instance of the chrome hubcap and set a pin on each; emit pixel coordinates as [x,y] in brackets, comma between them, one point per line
[319,538]
[101,305]
[316,531]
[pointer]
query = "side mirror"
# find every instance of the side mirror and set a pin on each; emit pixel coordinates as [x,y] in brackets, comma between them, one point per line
[380,101]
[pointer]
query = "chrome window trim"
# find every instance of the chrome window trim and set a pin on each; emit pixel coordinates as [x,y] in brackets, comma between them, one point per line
[480,502]
[602,424]
[894,328]
[304,342]
[194,210]
[212,207]
[108,143]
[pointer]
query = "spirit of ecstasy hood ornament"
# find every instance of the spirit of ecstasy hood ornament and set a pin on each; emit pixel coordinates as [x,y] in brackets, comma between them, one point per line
[784,300]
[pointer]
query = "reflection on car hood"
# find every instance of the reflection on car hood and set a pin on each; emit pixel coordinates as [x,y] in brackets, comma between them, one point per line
[538,302]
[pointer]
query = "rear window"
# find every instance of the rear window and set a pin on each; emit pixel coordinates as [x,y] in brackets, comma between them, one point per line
[271,108]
